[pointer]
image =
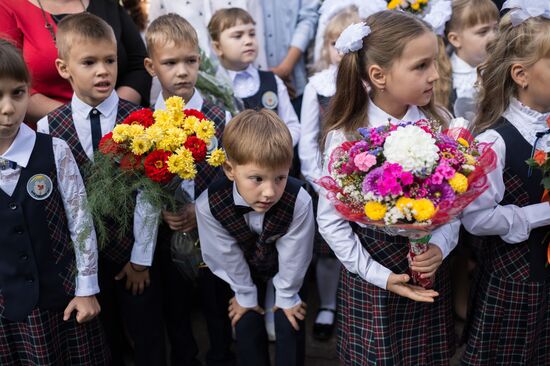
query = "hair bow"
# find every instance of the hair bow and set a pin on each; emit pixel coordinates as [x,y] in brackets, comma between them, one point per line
[521,10]
[351,39]
[438,14]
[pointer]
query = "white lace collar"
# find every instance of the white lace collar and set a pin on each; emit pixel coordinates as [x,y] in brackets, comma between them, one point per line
[528,122]
[324,82]
[464,77]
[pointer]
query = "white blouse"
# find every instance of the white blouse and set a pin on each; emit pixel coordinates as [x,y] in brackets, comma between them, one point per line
[73,195]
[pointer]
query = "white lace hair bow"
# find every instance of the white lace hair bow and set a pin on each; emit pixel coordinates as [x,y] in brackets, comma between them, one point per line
[438,14]
[351,39]
[525,9]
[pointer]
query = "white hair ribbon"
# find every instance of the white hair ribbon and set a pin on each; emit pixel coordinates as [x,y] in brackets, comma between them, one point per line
[351,39]
[438,14]
[521,10]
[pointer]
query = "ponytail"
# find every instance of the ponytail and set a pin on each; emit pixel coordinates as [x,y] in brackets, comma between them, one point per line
[443,86]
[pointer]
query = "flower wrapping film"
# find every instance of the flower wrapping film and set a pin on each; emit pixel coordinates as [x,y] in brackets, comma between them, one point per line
[407,179]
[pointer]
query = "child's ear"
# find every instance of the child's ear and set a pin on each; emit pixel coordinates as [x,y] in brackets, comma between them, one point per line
[217,48]
[228,170]
[520,75]
[62,69]
[148,63]
[377,77]
[455,40]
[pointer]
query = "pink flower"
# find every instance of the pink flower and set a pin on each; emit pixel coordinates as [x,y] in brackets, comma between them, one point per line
[436,178]
[364,161]
[407,178]
[445,170]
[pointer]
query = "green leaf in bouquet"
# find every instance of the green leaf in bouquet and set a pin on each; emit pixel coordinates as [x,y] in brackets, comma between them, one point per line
[546,182]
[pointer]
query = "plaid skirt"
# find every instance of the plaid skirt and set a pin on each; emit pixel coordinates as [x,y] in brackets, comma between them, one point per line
[509,323]
[45,339]
[377,327]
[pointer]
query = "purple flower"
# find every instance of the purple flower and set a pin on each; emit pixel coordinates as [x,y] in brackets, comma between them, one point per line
[370,183]
[358,148]
[440,192]
[365,132]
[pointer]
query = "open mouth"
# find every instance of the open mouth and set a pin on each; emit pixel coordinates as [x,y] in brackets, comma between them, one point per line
[103,85]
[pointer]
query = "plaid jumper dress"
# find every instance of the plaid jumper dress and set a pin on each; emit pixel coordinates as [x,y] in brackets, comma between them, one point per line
[39,277]
[61,125]
[509,322]
[378,327]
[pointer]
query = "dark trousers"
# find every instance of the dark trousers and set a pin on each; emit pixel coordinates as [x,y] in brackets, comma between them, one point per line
[139,316]
[177,295]
[252,343]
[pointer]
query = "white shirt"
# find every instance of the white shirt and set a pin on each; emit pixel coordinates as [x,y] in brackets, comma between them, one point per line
[338,232]
[226,260]
[246,83]
[464,77]
[322,83]
[146,218]
[485,216]
[73,195]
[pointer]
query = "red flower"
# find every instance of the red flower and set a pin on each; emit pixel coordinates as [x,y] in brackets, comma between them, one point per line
[142,117]
[197,147]
[108,147]
[156,168]
[540,157]
[194,113]
[130,161]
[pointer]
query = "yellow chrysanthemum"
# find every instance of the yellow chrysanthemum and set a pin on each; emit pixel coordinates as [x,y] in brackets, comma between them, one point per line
[162,118]
[459,183]
[205,130]
[423,209]
[189,124]
[174,104]
[404,202]
[135,130]
[217,157]
[415,6]
[173,139]
[155,133]
[470,160]
[463,142]
[375,210]
[120,133]
[394,4]
[182,164]
[141,144]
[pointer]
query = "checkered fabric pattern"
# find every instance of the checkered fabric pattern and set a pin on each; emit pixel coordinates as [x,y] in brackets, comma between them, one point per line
[377,327]
[259,250]
[45,339]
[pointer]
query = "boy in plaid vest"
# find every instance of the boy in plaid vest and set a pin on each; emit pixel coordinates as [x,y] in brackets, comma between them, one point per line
[174,58]
[255,225]
[87,59]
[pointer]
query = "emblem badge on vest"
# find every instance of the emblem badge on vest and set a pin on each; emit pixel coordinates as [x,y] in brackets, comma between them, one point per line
[212,144]
[274,238]
[270,100]
[39,187]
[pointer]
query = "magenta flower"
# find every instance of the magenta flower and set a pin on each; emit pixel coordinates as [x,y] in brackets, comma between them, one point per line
[445,170]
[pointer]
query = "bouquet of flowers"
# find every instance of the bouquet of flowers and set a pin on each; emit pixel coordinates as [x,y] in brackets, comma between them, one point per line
[407,179]
[413,6]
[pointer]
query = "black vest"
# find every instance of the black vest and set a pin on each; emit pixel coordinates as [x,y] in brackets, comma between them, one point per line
[259,251]
[37,263]
[268,84]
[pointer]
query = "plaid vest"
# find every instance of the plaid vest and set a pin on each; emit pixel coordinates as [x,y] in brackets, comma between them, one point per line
[260,250]
[61,125]
[268,84]
[37,263]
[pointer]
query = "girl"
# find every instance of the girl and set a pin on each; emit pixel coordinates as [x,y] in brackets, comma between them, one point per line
[510,320]
[44,227]
[317,94]
[380,322]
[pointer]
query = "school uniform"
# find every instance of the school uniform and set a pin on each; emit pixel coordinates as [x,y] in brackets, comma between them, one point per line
[140,314]
[47,257]
[246,249]
[464,93]
[509,322]
[214,293]
[377,327]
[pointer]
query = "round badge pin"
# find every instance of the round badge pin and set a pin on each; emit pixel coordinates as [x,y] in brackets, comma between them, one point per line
[39,187]
[212,144]
[270,100]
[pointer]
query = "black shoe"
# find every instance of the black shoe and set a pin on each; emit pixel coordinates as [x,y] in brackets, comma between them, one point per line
[323,332]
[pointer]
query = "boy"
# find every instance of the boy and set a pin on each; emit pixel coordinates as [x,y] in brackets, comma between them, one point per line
[233,37]
[255,225]
[174,58]
[87,59]
[48,256]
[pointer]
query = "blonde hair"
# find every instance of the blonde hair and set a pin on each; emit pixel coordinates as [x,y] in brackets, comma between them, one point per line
[226,18]
[523,44]
[81,26]
[469,13]
[390,33]
[334,28]
[170,28]
[258,137]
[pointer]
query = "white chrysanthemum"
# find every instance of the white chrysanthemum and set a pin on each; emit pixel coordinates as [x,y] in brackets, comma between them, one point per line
[412,148]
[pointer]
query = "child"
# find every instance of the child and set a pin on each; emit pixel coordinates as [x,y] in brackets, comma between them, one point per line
[233,37]
[257,224]
[48,256]
[87,59]
[317,94]
[380,325]
[472,25]
[510,320]
[174,58]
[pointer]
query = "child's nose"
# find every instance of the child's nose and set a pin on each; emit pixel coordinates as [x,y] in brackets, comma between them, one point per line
[7,108]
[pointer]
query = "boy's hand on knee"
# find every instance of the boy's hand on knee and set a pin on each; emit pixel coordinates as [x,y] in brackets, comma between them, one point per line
[236,311]
[428,263]
[86,308]
[137,277]
[295,313]
[398,285]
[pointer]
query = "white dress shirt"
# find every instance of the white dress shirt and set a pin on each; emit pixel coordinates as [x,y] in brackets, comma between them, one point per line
[485,216]
[226,260]
[337,231]
[146,218]
[464,77]
[73,195]
[322,83]
[246,83]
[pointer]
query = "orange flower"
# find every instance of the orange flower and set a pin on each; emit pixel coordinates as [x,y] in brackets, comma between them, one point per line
[548,254]
[540,157]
